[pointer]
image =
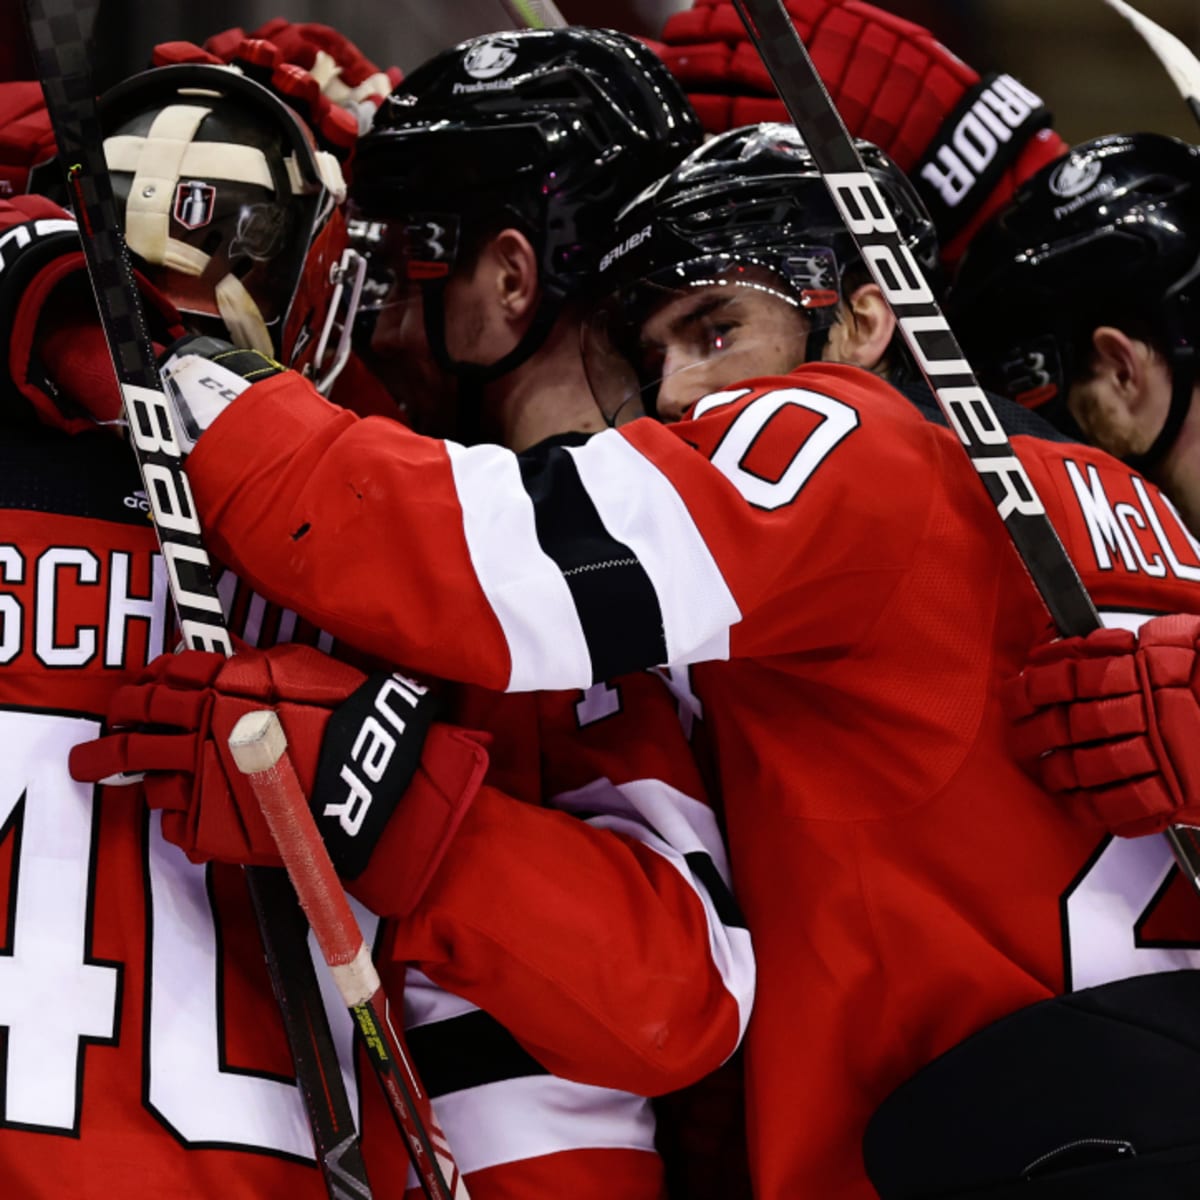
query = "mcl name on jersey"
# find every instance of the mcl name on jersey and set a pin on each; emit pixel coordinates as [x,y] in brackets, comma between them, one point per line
[1131,531]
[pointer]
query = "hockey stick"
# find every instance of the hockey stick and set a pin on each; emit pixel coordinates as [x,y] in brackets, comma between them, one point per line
[259,748]
[59,41]
[926,333]
[535,14]
[1182,65]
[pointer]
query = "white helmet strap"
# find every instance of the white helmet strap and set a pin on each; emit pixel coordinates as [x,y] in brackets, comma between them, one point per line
[158,162]
[243,318]
[156,174]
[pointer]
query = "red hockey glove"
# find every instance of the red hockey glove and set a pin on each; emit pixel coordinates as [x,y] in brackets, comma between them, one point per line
[965,142]
[347,77]
[333,128]
[388,785]
[26,137]
[54,349]
[1110,724]
[324,76]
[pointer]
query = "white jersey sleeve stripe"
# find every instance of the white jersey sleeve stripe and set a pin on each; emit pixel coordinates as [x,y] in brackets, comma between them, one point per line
[507,1120]
[684,831]
[523,585]
[640,508]
[517,1119]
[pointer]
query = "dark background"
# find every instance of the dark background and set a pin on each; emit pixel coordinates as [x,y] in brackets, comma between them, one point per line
[1086,61]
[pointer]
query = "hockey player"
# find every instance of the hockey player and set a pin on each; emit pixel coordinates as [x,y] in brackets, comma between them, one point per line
[144,1053]
[232,204]
[143,1050]
[828,567]
[1101,251]
[966,142]
[642,886]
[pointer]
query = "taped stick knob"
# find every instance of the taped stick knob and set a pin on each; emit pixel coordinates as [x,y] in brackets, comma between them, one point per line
[257,742]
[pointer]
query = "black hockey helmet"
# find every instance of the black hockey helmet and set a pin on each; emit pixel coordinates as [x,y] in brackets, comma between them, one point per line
[1109,235]
[547,130]
[750,198]
[225,201]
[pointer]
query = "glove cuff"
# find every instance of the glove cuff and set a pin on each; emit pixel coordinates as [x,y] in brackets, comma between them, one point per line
[419,835]
[369,755]
[976,144]
[35,257]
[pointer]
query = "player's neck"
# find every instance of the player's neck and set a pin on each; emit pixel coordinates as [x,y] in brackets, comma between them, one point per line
[546,395]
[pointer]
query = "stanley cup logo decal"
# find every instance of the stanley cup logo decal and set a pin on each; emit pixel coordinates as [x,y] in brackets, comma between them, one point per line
[194,203]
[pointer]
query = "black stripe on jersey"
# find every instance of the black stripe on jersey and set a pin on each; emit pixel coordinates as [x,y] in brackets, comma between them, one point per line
[705,870]
[616,602]
[701,865]
[468,1051]
[89,475]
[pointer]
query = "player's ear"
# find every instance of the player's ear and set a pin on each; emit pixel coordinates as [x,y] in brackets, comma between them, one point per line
[1121,401]
[863,334]
[1123,364]
[514,273]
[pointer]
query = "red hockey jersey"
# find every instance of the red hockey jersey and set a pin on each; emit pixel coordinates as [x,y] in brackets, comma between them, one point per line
[167,1072]
[180,1078]
[837,578]
[143,1054]
[599,937]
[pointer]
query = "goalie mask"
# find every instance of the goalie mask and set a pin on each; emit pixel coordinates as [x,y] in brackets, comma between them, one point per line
[548,131]
[1110,235]
[226,204]
[744,221]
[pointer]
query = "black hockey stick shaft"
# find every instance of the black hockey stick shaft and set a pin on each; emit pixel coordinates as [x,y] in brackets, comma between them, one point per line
[929,338]
[58,31]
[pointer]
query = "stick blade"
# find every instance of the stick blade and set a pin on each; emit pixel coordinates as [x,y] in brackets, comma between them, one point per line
[1181,64]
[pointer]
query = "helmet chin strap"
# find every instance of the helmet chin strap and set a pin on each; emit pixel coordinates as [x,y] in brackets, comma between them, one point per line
[610,420]
[815,343]
[469,409]
[433,302]
[1183,378]
[240,314]
[818,337]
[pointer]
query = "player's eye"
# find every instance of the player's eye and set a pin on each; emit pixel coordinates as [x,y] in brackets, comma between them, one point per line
[717,336]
